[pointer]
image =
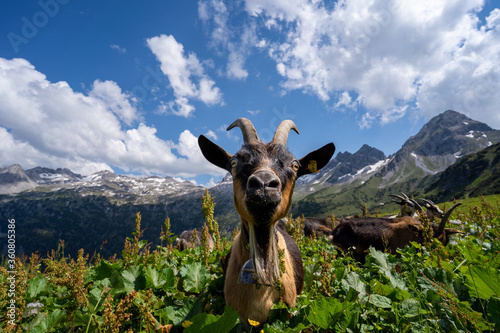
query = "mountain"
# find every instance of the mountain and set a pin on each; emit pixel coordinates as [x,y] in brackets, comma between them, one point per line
[438,145]
[344,168]
[13,179]
[473,175]
[50,176]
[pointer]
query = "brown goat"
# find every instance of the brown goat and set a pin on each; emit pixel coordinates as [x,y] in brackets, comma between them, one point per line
[264,176]
[386,234]
[184,240]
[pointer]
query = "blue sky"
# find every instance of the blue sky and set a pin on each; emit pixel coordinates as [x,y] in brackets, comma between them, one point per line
[128,86]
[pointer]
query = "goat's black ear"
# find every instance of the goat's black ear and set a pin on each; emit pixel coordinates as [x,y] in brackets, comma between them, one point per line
[315,160]
[214,153]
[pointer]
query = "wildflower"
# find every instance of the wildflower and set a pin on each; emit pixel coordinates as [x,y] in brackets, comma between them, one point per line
[253,322]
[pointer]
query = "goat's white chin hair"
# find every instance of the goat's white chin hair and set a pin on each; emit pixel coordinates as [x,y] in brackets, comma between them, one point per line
[270,273]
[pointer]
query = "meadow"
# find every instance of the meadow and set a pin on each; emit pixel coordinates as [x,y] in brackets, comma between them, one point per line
[427,288]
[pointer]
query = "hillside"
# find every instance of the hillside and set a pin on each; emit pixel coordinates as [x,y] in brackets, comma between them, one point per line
[473,175]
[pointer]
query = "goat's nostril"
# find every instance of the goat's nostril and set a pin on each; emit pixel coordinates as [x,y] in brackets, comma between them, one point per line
[255,182]
[263,179]
[274,183]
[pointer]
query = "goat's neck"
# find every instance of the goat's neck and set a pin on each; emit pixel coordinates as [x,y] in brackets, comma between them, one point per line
[263,248]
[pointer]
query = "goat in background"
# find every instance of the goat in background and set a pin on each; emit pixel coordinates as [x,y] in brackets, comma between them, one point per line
[389,234]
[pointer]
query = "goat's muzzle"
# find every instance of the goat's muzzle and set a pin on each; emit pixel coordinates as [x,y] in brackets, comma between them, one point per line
[263,195]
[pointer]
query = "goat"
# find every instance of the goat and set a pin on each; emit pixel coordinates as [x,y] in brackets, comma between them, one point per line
[408,207]
[264,177]
[184,240]
[386,233]
[432,209]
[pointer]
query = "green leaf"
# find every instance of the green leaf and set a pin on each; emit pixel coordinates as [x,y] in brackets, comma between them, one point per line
[380,260]
[380,301]
[326,311]
[154,278]
[353,281]
[195,277]
[494,312]
[46,322]
[483,282]
[37,285]
[133,279]
[204,322]
[409,308]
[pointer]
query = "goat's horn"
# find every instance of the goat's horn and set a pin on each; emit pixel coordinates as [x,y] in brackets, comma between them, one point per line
[416,205]
[446,217]
[281,134]
[403,200]
[429,202]
[247,129]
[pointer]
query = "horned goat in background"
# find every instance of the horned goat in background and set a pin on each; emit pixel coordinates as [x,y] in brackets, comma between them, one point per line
[264,177]
[432,210]
[184,241]
[358,234]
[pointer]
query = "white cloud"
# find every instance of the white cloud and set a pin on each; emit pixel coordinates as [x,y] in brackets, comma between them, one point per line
[116,101]
[429,55]
[183,72]
[49,124]
[118,48]
[233,41]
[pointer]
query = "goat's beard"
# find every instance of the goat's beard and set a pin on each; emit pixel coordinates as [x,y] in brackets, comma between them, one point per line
[263,245]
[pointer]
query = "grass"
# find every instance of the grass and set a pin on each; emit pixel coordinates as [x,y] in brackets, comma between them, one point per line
[428,288]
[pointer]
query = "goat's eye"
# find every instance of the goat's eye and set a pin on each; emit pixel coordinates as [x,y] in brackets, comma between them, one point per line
[295,165]
[234,163]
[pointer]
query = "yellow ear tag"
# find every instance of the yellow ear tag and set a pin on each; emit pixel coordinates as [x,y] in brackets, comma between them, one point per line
[312,166]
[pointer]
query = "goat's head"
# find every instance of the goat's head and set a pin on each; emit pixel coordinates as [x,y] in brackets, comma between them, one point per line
[264,175]
[407,206]
[432,209]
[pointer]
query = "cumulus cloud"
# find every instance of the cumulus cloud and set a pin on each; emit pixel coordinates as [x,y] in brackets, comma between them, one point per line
[185,74]
[428,56]
[233,41]
[50,124]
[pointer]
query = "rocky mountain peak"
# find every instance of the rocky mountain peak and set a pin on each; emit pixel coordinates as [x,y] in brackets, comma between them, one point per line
[13,179]
[451,133]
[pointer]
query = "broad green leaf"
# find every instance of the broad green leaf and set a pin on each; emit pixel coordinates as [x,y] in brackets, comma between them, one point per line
[133,279]
[381,260]
[195,277]
[380,301]
[178,314]
[353,281]
[46,322]
[204,322]
[154,278]
[324,312]
[37,285]
[483,282]
[409,308]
